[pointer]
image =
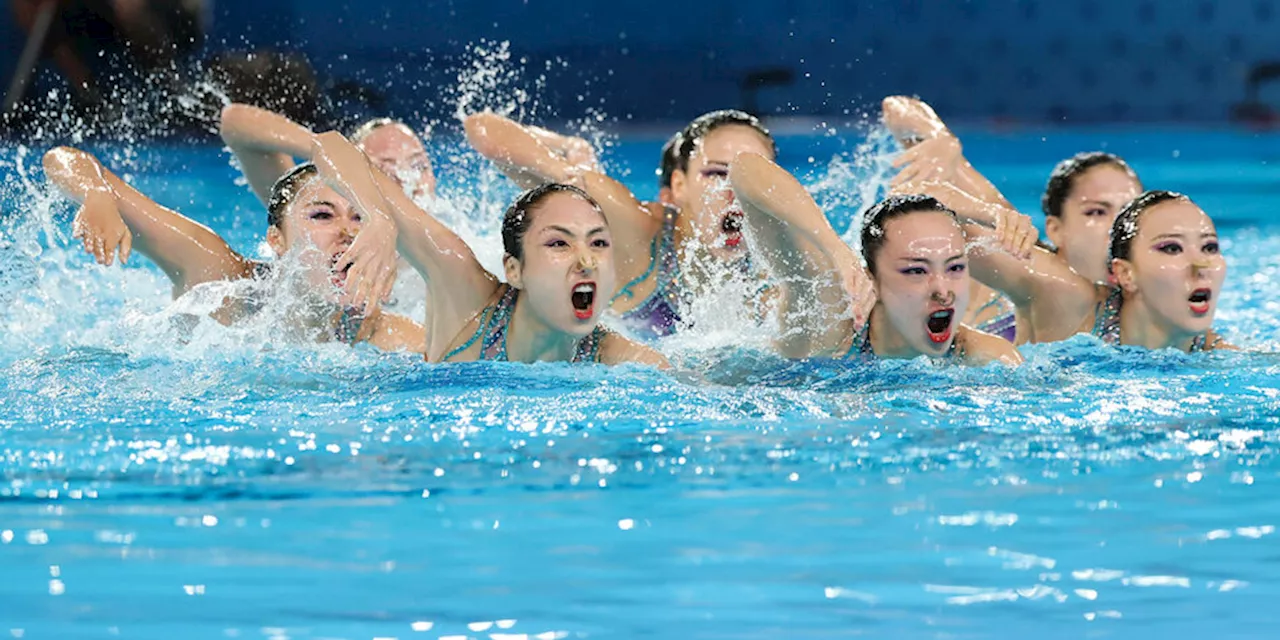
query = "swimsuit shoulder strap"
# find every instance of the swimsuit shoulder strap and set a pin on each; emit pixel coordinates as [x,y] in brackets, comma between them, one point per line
[662,258]
[1106,317]
[491,329]
[588,349]
[860,347]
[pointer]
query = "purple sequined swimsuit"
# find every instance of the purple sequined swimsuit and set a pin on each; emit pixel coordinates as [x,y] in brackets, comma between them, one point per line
[659,314]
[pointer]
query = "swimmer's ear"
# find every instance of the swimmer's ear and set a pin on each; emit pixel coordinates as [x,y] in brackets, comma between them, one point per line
[275,239]
[664,195]
[1122,274]
[511,267]
[679,182]
[1053,230]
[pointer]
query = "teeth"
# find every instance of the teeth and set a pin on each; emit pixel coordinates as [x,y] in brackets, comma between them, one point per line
[584,288]
[940,314]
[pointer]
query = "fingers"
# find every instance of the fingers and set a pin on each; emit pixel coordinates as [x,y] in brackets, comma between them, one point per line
[1029,238]
[906,157]
[126,246]
[908,174]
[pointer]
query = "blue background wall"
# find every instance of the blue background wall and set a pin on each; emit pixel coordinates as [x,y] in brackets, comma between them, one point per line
[1022,60]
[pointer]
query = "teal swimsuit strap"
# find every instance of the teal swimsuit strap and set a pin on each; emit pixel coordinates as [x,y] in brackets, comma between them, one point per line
[995,299]
[861,345]
[660,246]
[482,328]
[588,349]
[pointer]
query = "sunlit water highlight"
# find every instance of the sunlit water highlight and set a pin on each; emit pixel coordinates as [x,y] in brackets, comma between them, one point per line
[156,487]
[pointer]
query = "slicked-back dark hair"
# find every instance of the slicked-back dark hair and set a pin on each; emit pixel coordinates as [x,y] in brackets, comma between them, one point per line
[286,189]
[519,216]
[1065,173]
[708,122]
[1125,227]
[878,216]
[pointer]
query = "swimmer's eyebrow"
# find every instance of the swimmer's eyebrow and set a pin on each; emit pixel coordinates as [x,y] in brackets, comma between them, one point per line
[913,260]
[556,227]
[1105,203]
[325,203]
[721,163]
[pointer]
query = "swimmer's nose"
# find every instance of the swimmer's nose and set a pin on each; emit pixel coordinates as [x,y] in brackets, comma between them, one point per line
[586,262]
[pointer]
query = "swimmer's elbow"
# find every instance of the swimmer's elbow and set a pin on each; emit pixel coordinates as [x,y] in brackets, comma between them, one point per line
[232,120]
[482,131]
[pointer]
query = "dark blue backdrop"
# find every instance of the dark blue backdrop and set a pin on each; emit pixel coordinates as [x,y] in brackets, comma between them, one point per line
[1024,60]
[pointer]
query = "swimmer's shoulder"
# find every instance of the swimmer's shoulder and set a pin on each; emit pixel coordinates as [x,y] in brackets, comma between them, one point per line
[393,332]
[981,348]
[1213,341]
[618,349]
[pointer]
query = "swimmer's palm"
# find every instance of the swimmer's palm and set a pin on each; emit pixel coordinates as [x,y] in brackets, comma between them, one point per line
[102,231]
[372,257]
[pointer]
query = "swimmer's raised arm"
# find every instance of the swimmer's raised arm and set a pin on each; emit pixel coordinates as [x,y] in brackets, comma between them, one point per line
[529,161]
[819,271]
[457,285]
[265,143]
[932,152]
[529,155]
[188,252]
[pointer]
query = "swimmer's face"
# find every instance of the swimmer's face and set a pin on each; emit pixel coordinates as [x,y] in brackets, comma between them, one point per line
[400,154]
[1175,267]
[318,226]
[702,191]
[567,273]
[1083,231]
[922,280]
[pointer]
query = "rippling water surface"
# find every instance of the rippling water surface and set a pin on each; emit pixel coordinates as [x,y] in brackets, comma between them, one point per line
[212,487]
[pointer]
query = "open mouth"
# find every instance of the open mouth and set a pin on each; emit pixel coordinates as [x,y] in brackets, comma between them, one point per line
[1199,301]
[339,277]
[584,300]
[731,225]
[939,325]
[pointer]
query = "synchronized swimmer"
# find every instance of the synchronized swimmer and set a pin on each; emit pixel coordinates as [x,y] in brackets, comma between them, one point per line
[948,269]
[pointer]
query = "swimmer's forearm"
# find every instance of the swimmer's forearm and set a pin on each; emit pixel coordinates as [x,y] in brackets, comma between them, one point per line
[424,241]
[75,173]
[516,150]
[768,189]
[249,128]
[188,252]
[911,117]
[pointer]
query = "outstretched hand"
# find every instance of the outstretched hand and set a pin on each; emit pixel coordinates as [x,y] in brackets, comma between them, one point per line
[101,230]
[933,159]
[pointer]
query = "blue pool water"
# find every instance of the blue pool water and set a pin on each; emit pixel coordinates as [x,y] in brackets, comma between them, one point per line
[234,485]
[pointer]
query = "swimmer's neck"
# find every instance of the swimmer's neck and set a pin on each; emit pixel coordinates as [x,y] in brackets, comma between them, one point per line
[529,339]
[1142,328]
[886,341]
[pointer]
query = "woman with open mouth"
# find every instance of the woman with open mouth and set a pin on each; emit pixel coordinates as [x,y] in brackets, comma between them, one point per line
[559,266]
[907,302]
[346,273]
[1083,195]
[698,230]
[1166,272]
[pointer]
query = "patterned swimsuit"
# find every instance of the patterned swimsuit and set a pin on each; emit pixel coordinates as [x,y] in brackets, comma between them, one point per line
[492,333]
[659,313]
